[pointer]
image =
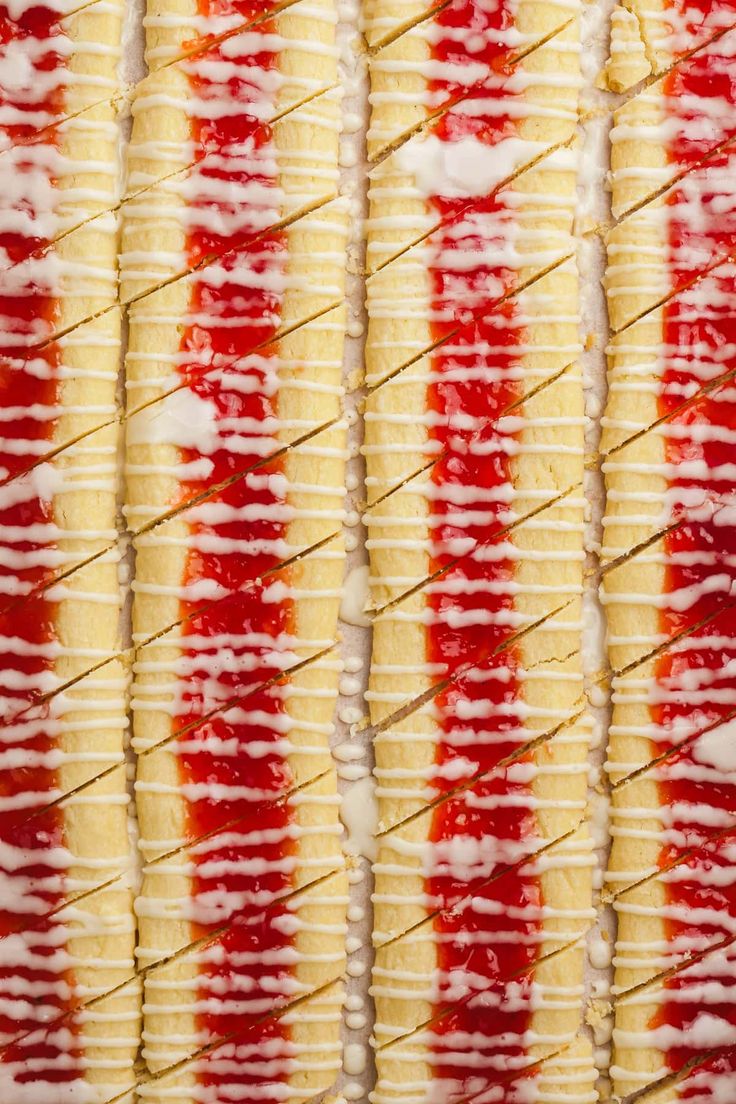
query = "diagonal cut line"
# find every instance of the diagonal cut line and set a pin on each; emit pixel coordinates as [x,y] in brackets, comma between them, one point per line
[413,704]
[658,760]
[408,25]
[488,423]
[687,404]
[611,894]
[499,534]
[655,982]
[228,825]
[203,1052]
[476,316]
[207,43]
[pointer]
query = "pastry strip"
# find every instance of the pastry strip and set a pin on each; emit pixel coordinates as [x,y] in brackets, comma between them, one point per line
[67,930]
[667,587]
[228,366]
[467,615]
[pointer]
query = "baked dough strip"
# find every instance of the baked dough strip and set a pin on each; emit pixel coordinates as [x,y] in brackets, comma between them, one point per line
[66,939]
[254,336]
[468,620]
[668,576]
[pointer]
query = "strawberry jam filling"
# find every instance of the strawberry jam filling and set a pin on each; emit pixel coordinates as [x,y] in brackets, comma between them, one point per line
[694,695]
[238,632]
[35,984]
[480,1034]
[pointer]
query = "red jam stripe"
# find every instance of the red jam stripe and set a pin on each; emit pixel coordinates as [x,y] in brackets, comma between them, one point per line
[240,622]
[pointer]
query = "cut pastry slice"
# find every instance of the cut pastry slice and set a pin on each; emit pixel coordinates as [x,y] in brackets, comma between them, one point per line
[77,49]
[483,252]
[669,243]
[671,29]
[696,897]
[434,859]
[302,1053]
[506,1042]
[61,397]
[512,920]
[673,124]
[671,1024]
[431,67]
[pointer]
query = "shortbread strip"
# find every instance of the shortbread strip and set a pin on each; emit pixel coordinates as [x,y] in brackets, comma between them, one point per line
[432,66]
[466,612]
[66,939]
[673,124]
[237,361]
[668,578]
[670,29]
